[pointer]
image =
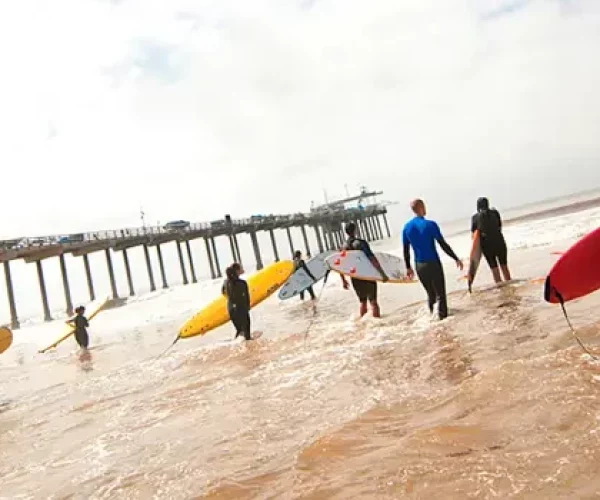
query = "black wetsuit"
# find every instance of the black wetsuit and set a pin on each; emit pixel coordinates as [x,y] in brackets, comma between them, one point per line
[299,263]
[365,290]
[81,334]
[238,306]
[493,245]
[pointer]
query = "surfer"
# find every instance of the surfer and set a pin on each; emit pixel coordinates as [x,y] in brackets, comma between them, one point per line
[422,234]
[238,300]
[80,323]
[493,246]
[366,291]
[300,264]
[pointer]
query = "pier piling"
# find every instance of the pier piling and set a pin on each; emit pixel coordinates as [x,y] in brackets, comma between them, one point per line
[189,252]
[111,274]
[161,265]
[88,275]
[305,238]
[128,273]
[149,268]
[291,241]
[181,263]
[66,287]
[319,240]
[256,247]
[216,257]
[14,319]
[274,243]
[210,259]
[44,294]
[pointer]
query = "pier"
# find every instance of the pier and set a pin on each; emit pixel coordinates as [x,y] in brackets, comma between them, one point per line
[326,222]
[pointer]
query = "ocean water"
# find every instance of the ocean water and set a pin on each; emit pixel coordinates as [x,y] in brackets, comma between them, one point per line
[497,401]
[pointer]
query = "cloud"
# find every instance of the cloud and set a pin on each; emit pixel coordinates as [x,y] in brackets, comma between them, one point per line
[193,109]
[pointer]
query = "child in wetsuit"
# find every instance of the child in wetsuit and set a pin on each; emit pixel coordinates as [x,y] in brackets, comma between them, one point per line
[238,301]
[299,263]
[80,323]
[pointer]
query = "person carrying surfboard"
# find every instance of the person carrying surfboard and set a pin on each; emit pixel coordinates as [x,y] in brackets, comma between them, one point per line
[366,291]
[80,323]
[493,245]
[422,235]
[300,264]
[238,300]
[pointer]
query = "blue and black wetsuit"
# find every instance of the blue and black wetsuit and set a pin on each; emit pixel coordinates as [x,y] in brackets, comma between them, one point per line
[365,290]
[238,305]
[422,235]
[493,244]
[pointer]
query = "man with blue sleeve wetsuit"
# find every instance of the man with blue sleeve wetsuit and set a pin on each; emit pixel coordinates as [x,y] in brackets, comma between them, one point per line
[422,234]
[366,291]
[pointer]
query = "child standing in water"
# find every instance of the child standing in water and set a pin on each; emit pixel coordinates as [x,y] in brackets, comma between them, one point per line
[299,263]
[80,323]
[238,300]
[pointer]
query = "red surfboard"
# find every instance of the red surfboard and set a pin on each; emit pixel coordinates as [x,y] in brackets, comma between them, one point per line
[577,272]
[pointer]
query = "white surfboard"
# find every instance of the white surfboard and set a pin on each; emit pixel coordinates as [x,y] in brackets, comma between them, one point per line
[474,260]
[300,280]
[354,263]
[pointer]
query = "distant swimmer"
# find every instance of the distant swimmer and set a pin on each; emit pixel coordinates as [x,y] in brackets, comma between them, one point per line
[422,234]
[493,245]
[300,264]
[80,323]
[366,291]
[238,300]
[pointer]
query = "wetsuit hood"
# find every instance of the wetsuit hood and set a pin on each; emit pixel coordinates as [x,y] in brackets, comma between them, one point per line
[483,204]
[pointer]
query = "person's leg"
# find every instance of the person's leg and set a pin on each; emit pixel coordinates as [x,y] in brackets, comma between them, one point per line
[424,274]
[503,259]
[439,283]
[311,292]
[489,252]
[245,325]
[302,295]
[235,319]
[372,296]
[361,293]
[82,338]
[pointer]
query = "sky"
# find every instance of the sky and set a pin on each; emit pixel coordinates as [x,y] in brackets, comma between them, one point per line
[196,108]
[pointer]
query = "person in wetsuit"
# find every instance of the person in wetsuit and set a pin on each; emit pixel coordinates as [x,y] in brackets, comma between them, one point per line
[366,291]
[422,235]
[80,323]
[238,300]
[493,246]
[300,264]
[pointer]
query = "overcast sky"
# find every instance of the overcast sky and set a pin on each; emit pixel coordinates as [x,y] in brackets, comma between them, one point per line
[196,108]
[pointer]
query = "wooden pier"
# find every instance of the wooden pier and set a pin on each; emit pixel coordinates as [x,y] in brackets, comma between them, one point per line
[326,221]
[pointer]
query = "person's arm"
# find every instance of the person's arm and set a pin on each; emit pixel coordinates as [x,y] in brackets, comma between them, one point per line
[371,256]
[86,323]
[444,245]
[406,248]
[305,267]
[499,219]
[474,223]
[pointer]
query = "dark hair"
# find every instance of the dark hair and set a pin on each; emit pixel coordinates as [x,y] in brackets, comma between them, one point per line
[80,309]
[297,254]
[350,228]
[483,204]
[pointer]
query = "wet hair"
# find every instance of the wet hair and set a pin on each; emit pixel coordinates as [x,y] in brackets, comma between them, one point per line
[230,273]
[297,254]
[416,203]
[80,309]
[236,267]
[483,204]
[350,229]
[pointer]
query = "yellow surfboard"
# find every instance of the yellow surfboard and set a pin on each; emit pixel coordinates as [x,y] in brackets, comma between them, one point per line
[6,338]
[91,310]
[261,285]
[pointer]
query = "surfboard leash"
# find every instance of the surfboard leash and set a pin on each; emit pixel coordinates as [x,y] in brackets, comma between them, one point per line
[312,321]
[168,348]
[564,310]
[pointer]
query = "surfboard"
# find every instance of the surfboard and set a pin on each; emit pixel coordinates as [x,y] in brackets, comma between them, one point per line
[355,264]
[91,310]
[576,273]
[261,286]
[300,280]
[6,338]
[474,259]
